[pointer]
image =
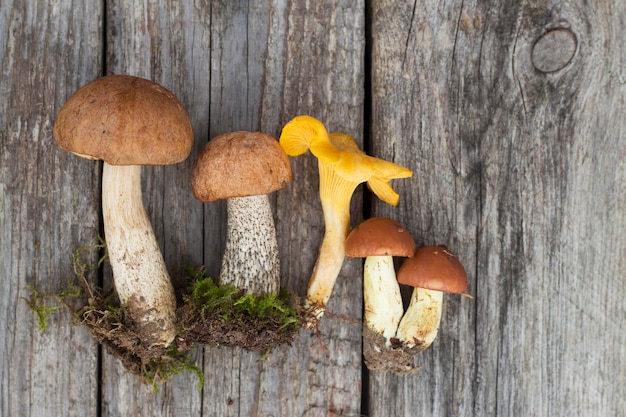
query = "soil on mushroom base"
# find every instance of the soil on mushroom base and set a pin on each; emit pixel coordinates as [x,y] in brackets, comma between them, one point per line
[110,323]
[396,358]
[111,326]
[226,316]
[252,334]
[208,314]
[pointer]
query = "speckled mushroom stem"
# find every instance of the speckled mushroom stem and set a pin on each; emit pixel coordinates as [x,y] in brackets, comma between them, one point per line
[251,260]
[139,273]
[382,298]
[420,323]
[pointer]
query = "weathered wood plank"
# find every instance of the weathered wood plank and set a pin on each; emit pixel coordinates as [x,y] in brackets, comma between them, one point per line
[522,173]
[167,42]
[48,205]
[271,61]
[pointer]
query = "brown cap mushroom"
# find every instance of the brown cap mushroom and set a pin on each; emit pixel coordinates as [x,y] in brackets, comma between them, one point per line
[128,122]
[433,270]
[243,168]
[379,239]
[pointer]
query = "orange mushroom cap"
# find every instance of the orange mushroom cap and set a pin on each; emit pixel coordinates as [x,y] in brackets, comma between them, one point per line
[379,236]
[434,268]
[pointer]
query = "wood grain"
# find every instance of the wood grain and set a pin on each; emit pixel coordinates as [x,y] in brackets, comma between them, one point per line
[48,206]
[522,173]
[511,115]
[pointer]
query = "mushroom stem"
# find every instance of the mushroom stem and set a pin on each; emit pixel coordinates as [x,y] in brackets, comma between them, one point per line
[251,260]
[420,323]
[336,207]
[381,293]
[139,273]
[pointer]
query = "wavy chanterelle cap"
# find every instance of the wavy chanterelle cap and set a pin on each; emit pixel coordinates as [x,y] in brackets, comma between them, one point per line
[341,151]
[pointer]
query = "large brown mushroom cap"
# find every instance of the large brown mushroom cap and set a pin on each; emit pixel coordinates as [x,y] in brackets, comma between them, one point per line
[125,120]
[434,268]
[379,236]
[239,164]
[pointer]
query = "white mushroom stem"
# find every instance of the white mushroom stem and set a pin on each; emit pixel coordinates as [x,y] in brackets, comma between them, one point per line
[251,259]
[383,302]
[420,323]
[139,273]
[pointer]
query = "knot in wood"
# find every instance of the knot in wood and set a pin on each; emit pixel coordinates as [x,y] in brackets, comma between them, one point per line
[554,50]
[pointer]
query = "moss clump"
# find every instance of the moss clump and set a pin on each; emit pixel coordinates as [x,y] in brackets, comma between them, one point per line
[210,315]
[111,326]
[226,315]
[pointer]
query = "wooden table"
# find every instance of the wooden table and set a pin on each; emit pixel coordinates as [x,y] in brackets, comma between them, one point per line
[511,115]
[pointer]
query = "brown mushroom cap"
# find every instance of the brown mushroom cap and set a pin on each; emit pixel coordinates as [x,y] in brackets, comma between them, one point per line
[434,268]
[125,120]
[239,164]
[379,236]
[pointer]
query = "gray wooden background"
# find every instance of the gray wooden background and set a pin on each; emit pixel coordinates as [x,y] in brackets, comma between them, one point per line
[511,115]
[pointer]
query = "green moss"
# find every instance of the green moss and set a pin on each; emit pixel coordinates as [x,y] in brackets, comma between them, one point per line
[37,303]
[75,285]
[233,304]
[172,362]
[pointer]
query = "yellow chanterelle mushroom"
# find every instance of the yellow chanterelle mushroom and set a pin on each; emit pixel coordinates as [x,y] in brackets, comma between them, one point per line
[342,167]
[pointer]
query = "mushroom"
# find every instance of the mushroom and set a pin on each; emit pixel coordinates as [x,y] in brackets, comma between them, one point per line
[128,122]
[432,271]
[342,167]
[243,168]
[377,240]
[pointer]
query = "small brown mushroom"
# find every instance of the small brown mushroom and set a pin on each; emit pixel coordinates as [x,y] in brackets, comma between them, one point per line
[432,271]
[243,168]
[378,240]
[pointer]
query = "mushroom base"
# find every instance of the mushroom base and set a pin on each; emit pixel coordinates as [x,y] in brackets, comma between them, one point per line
[397,358]
[252,334]
[110,326]
[311,313]
[226,315]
